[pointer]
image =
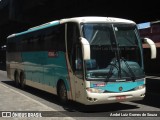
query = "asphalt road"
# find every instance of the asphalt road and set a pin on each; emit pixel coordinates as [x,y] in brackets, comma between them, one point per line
[150,105]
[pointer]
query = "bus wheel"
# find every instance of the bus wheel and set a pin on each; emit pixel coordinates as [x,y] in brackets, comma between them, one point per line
[62,93]
[22,80]
[16,79]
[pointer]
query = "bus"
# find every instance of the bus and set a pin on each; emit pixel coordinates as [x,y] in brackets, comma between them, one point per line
[89,60]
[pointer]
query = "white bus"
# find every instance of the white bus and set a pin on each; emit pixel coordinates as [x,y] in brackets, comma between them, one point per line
[90,60]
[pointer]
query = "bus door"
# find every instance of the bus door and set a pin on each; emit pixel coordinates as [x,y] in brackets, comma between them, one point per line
[74,53]
[79,75]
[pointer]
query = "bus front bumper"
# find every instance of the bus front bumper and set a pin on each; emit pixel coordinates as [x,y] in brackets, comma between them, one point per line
[103,98]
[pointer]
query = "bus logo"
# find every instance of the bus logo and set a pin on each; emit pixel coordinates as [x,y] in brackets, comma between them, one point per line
[120,88]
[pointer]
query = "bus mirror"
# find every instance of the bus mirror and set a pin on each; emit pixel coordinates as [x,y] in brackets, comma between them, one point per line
[152,46]
[85,49]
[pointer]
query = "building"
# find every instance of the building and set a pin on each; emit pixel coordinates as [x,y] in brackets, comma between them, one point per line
[152,66]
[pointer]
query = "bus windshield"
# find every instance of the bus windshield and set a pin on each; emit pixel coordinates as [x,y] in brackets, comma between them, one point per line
[116,51]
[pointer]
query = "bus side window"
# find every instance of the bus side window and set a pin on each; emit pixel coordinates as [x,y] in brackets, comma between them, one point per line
[71,44]
[55,38]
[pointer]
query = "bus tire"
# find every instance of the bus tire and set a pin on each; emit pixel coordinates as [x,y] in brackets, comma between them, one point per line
[62,93]
[22,80]
[16,79]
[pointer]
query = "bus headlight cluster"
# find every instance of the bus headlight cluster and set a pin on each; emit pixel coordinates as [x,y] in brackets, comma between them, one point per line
[94,90]
[139,87]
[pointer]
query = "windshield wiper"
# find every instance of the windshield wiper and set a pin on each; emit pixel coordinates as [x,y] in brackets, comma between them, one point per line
[133,77]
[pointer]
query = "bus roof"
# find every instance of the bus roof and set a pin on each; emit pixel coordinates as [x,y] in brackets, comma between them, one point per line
[96,19]
[74,19]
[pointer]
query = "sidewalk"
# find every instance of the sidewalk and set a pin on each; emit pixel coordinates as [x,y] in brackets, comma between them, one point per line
[14,101]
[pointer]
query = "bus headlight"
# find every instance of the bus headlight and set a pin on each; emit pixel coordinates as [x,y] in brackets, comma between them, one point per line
[139,87]
[94,90]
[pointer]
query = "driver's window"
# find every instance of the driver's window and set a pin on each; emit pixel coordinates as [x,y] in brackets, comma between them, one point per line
[79,61]
[74,49]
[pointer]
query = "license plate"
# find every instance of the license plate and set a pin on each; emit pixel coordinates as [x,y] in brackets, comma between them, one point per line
[120,97]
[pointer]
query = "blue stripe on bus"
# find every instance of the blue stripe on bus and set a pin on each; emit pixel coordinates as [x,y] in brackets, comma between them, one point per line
[41,68]
[114,87]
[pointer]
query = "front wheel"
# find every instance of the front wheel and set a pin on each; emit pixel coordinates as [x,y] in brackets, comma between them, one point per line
[62,93]
[22,80]
[16,79]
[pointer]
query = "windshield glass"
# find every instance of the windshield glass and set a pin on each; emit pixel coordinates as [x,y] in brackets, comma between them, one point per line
[115,51]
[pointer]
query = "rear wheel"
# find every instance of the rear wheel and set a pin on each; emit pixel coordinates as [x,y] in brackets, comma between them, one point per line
[62,93]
